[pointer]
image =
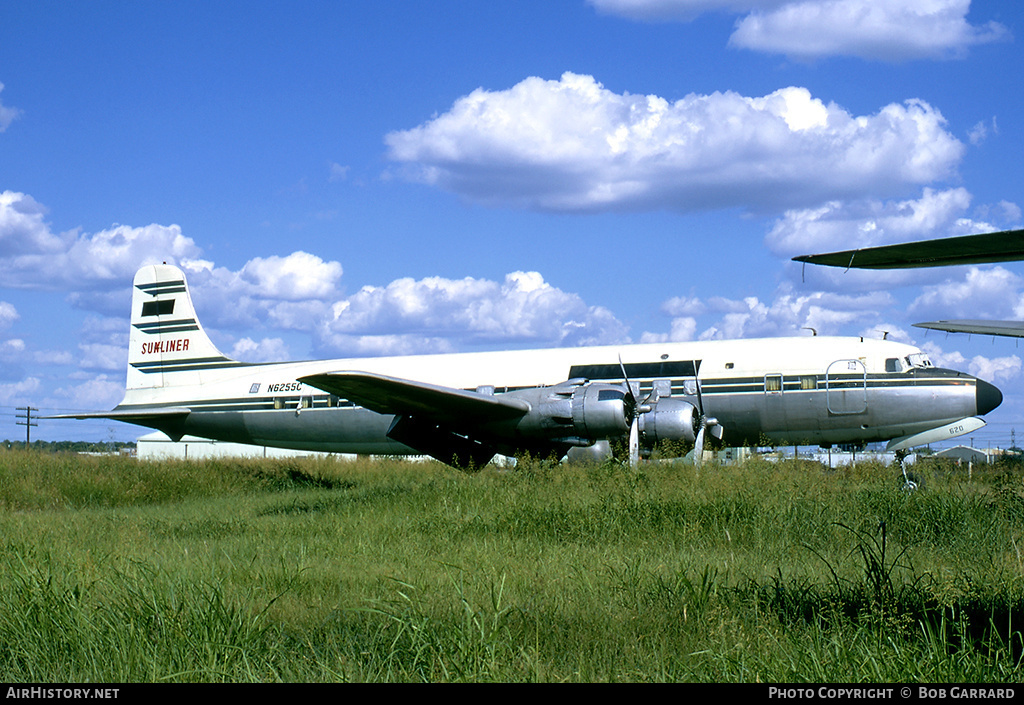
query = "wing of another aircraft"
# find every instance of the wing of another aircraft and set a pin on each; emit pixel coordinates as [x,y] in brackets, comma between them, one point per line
[1004,246]
[1012,329]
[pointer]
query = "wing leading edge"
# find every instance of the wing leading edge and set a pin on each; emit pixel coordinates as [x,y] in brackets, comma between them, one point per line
[1010,329]
[403,397]
[436,420]
[1004,246]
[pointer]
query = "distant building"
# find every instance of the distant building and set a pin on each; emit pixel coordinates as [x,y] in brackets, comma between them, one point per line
[976,456]
[157,446]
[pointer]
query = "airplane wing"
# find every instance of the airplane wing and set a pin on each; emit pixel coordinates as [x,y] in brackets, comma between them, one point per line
[1010,329]
[1005,246]
[436,420]
[403,397]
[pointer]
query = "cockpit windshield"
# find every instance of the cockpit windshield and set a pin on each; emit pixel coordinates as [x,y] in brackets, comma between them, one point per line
[918,360]
[914,360]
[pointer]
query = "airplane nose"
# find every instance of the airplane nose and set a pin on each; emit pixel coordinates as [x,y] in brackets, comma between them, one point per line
[988,397]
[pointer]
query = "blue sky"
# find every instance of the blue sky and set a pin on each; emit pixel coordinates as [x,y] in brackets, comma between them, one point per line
[344,179]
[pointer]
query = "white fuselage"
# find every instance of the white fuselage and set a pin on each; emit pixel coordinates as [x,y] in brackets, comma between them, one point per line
[807,390]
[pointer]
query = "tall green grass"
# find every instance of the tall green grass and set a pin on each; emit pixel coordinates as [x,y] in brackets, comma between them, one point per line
[118,570]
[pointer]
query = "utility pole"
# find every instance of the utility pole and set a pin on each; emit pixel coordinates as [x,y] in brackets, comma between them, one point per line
[27,423]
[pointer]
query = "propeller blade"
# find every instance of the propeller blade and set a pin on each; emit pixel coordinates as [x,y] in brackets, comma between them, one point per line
[634,442]
[700,398]
[698,447]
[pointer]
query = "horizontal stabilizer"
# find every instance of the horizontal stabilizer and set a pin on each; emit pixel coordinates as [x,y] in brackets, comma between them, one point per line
[129,415]
[169,419]
[1010,329]
[942,433]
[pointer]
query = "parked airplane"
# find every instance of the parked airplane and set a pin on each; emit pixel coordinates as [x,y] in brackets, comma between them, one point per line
[985,248]
[465,408]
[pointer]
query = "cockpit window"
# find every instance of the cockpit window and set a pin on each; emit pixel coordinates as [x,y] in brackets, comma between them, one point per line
[918,360]
[892,364]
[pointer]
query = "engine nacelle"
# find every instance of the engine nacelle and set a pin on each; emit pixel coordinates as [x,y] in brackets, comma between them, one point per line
[576,412]
[670,419]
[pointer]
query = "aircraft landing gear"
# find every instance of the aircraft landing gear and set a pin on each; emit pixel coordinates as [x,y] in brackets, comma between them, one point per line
[908,481]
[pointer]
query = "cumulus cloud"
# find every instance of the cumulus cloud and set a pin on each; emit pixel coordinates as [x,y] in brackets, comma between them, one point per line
[890,30]
[791,314]
[266,350]
[435,312]
[982,293]
[571,145]
[838,225]
[887,30]
[788,313]
[32,256]
[99,392]
[998,370]
[17,392]
[298,276]
[296,292]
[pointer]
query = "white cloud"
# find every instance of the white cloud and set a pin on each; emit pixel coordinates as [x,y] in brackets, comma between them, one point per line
[99,392]
[408,314]
[849,225]
[7,115]
[998,370]
[572,145]
[266,350]
[788,313]
[22,228]
[982,293]
[887,30]
[8,314]
[17,392]
[98,356]
[33,257]
[298,276]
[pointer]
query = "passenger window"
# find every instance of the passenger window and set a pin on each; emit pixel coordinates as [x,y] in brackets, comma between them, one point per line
[773,383]
[808,382]
[892,364]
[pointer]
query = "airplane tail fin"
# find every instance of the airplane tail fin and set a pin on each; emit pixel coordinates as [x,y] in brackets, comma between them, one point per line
[167,345]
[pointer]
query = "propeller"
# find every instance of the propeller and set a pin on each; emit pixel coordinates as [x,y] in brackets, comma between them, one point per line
[633,410]
[705,423]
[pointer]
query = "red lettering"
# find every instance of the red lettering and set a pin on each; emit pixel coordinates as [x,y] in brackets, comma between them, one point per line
[165,346]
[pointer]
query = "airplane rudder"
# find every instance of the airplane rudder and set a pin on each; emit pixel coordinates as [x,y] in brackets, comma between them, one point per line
[165,335]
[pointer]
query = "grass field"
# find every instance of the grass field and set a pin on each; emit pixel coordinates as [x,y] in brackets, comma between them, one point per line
[119,570]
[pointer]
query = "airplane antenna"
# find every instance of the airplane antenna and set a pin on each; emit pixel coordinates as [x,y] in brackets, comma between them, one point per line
[814,331]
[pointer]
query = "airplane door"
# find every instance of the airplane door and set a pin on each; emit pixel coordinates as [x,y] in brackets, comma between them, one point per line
[846,387]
